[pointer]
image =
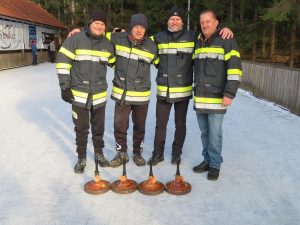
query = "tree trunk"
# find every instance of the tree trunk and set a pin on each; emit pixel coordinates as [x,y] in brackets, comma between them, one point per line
[293,44]
[109,15]
[85,13]
[263,47]
[254,41]
[73,13]
[231,10]
[242,11]
[272,40]
[58,12]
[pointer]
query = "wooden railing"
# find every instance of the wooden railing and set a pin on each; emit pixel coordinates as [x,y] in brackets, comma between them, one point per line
[280,85]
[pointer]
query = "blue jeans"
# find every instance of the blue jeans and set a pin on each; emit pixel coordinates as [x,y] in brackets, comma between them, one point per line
[211,137]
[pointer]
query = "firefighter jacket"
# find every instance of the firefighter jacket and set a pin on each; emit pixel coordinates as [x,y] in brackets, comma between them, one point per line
[131,83]
[82,65]
[218,72]
[175,72]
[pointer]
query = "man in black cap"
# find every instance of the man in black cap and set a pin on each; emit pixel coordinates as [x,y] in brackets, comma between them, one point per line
[81,68]
[131,86]
[174,83]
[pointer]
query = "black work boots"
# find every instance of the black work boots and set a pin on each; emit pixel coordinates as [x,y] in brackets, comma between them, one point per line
[202,167]
[102,161]
[79,166]
[175,159]
[213,173]
[139,160]
[156,158]
[118,159]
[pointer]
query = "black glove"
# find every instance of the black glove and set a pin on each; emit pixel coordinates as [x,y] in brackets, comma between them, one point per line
[67,95]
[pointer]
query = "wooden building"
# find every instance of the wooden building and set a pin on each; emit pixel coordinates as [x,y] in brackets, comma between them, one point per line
[23,22]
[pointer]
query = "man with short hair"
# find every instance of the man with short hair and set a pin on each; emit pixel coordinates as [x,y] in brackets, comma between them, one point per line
[218,73]
[131,86]
[81,67]
[174,83]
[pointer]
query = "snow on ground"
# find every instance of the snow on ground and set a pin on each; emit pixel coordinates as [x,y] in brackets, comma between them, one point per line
[259,182]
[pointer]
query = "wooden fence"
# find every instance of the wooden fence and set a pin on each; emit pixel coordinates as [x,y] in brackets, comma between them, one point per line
[11,59]
[274,83]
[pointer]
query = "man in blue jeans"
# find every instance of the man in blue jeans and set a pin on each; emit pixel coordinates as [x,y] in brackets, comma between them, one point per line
[218,72]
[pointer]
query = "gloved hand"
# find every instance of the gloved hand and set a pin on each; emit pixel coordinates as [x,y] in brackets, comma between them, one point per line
[67,95]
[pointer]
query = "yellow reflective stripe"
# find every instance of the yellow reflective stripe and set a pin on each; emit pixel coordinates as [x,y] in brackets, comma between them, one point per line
[79,94]
[92,53]
[180,89]
[175,89]
[99,95]
[122,48]
[118,90]
[142,53]
[152,38]
[132,93]
[63,66]
[177,45]
[208,100]
[162,88]
[232,53]
[209,50]
[112,60]
[156,61]
[234,72]
[108,35]
[135,51]
[138,93]
[66,52]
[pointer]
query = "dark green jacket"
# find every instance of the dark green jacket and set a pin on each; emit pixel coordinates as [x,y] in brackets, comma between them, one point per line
[218,73]
[131,83]
[175,71]
[82,65]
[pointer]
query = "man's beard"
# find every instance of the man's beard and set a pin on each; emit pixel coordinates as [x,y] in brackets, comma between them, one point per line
[175,29]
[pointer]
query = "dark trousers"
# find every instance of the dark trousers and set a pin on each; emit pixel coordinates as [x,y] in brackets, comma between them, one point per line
[82,119]
[121,124]
[34,59]
[163,109]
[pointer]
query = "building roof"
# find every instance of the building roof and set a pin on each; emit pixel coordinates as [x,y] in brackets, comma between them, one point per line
[28,11]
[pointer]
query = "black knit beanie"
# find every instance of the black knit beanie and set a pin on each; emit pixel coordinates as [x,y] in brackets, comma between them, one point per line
[98,15]
[139,19]
[175,11]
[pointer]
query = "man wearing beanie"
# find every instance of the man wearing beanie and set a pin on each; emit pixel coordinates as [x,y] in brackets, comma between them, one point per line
[81,69]
[174,83]
[131,86]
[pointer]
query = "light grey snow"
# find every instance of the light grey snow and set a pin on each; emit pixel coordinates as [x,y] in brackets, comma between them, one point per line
[259,182]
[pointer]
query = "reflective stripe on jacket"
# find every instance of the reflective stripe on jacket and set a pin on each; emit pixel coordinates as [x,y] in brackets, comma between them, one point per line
[82,65]
[218,73]
[131,83]
[175,73]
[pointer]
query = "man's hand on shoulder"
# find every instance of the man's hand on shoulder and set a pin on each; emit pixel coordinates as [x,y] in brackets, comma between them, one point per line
[226,33]
[74,31]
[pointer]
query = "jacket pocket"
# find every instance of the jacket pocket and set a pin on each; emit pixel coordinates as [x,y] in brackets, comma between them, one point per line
[161,78]
[119,79]
[213,89]
[210,67]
